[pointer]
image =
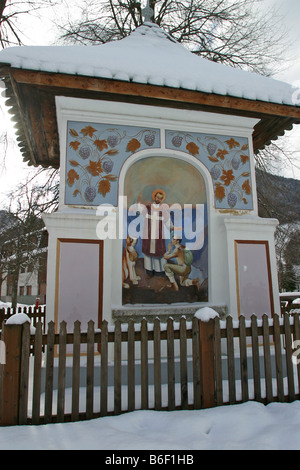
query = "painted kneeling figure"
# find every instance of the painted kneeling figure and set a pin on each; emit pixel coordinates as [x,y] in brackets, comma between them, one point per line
[182,267]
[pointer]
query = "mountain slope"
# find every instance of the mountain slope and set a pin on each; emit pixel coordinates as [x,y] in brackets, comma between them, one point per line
[278,197]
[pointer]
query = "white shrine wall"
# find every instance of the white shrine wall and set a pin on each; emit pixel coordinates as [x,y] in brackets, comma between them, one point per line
[226,225]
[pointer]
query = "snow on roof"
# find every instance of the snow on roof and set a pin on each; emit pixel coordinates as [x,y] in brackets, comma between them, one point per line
[150,56]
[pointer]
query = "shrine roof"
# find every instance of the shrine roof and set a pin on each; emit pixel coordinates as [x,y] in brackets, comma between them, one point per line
[150,56]
[147,67]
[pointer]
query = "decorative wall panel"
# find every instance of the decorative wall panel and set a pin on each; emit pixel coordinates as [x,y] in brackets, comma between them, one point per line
[226,158]
[95,155]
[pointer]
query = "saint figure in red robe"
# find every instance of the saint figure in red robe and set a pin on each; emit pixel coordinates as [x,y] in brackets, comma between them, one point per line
[156,221]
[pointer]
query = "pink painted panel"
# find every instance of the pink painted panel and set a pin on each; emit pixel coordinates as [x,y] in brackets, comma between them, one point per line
[78,294]
[253,276]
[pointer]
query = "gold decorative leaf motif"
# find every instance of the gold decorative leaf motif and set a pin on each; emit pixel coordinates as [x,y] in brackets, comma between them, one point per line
[221,153]
[133,145]
[246,187]
[75,144]
[220,192]
[192,148]
[232,143]
[244,158]
[112,152]
[227,177]
[110,177]
[100,144]
[72,176]
[104,187]
[95,168]
[88,131]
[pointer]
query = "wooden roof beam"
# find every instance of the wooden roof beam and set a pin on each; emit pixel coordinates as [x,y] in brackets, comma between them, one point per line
[160,92]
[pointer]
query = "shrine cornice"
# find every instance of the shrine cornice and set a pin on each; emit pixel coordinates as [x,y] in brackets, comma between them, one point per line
[31,97]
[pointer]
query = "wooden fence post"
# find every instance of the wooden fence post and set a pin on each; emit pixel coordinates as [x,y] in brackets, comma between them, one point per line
[207,363]
[12,337]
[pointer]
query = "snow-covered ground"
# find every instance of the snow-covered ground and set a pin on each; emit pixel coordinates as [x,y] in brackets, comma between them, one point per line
[248,426]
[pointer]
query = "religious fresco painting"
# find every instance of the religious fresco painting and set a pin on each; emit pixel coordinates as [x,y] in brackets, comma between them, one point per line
[165,248]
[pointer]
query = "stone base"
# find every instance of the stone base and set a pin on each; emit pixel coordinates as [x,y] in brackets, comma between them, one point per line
[138,313]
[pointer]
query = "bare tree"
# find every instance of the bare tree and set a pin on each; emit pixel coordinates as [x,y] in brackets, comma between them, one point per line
[22,240]
[241,34]
[11,13]
[288,255]
[238,33]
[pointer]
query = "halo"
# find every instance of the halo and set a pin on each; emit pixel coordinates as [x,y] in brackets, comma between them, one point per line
[159,191]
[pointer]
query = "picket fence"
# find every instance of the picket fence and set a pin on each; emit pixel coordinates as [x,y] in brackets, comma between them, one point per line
[69,376]
[36,314]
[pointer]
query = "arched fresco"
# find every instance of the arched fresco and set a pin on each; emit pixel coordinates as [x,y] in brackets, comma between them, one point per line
[165,249]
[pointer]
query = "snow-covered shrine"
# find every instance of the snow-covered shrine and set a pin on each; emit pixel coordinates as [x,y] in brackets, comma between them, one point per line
[149,138]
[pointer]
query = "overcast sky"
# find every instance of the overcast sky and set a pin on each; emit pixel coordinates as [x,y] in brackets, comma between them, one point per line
[42,32]
[290,9]
[291,14]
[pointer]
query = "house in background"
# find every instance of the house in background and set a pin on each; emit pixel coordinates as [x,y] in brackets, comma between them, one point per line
[148,135]
[32,273]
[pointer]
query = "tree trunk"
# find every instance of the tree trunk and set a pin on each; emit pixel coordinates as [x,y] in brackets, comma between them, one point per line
[14,292]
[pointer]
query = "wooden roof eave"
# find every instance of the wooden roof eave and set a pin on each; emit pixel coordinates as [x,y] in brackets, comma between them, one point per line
[39,121]
[21,130]
[267,131]
[85,83]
